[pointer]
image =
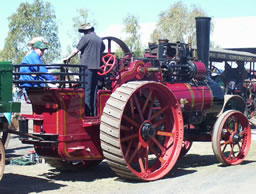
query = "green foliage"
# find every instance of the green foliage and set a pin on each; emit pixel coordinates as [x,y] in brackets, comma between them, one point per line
[119,53]
[77,22]
[132,28]
[178,23]
[31,20]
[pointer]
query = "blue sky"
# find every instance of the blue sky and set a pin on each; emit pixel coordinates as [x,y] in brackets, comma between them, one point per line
[110,12]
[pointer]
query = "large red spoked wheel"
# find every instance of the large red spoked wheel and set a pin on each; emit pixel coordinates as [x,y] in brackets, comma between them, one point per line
[2,159]
[231,137]
[141,131]
[109,61]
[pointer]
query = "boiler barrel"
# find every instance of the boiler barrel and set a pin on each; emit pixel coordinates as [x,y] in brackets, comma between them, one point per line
[206,98]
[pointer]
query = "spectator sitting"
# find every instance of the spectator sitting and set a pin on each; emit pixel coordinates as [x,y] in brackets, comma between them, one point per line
[36,39]
[34,57]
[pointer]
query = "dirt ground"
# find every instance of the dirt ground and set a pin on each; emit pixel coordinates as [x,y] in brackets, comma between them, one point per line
[198,172]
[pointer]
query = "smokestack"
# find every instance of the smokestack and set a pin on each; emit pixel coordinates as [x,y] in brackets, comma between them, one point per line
[203,39]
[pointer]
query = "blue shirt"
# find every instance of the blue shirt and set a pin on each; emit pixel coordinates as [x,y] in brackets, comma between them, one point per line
[34,58]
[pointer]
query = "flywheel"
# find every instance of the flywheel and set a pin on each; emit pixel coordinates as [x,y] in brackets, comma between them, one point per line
[141,130]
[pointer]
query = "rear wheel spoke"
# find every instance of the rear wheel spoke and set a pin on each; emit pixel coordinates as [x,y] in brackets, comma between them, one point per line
[141,165]
[131,121]
[147,101]
[164,133]
[129,138]
[134,153]
[158,144]
[125,128]
[128,149]
[138,108]
[146,158]
[150,109]
[159,112]
[158,123]
[132,108]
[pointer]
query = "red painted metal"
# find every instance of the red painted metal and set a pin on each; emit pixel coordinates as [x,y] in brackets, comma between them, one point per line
[200,70]
[60,112]
[109,61]
[196,97]
[139,127]
[137,70]
[150,130]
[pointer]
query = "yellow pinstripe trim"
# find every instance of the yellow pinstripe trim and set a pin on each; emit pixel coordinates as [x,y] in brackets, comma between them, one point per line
[192,95]
[211,95]
[65,131]
[57,119]
[203,98]
[131,72]
[101,108]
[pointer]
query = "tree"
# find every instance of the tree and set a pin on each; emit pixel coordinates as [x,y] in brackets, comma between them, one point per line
[177,23]
[132,28]
[77,22]
[31,20]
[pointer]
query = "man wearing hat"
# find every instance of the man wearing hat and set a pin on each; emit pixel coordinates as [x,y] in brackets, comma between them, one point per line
[34,57]
[35,39]
[91,48]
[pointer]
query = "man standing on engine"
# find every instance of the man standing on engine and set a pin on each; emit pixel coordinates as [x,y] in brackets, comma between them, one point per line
[91,48]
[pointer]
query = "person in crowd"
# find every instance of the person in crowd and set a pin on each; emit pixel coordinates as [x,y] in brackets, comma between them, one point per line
[91,48]
[38,49]
[36,39]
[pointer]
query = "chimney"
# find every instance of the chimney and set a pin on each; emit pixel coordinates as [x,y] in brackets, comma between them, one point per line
[203,39]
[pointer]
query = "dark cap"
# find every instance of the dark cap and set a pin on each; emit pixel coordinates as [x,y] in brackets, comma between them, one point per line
[40,45]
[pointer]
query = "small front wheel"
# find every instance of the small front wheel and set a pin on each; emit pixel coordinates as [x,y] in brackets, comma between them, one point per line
[231,137]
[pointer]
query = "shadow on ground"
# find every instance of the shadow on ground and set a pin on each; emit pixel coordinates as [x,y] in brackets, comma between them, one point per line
[184,166]
[87,175]
[20,184]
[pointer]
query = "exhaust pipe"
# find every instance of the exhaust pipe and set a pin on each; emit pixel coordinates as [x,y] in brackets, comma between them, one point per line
[203,39]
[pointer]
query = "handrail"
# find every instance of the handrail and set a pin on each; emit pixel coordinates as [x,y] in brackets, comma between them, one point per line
[67,75]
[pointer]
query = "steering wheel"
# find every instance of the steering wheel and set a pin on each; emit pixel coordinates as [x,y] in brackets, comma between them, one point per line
[109,61]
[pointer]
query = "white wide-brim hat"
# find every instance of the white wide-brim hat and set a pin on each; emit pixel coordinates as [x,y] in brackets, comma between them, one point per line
[85,27]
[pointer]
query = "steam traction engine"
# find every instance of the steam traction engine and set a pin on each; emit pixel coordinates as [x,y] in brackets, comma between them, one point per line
[149,111]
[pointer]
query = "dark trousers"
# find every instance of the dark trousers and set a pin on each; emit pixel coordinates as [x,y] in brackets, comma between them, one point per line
[90,90]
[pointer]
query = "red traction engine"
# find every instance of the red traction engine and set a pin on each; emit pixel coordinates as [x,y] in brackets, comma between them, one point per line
[149,111]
